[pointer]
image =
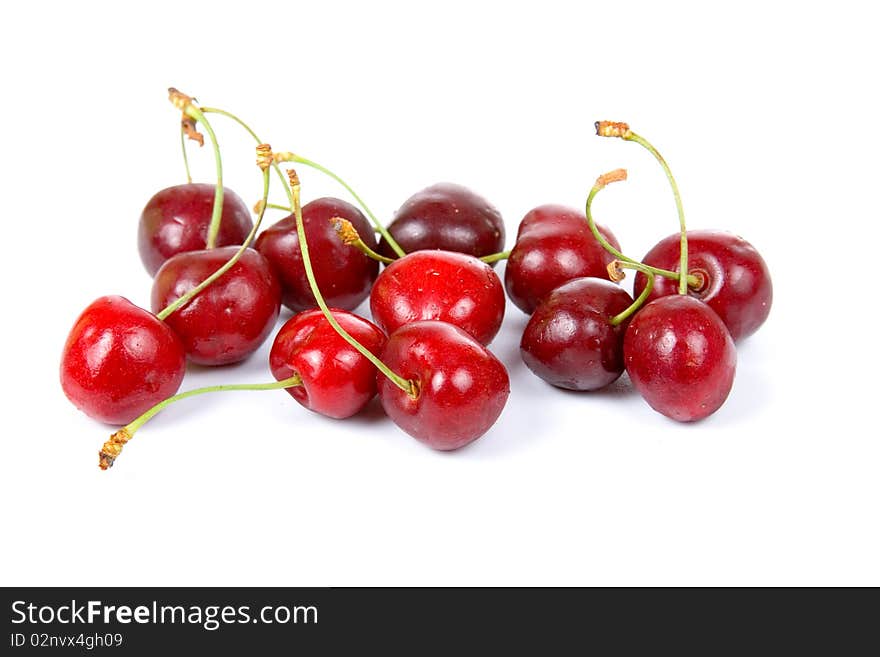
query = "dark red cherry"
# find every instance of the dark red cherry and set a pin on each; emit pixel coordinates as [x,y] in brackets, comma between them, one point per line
[680,357]
[230,318]
[735,279]
[449,217]
[120,360]
[570,341]
[554,245]
[176,220]
[462,386]
[337,381]
[442,285]
[344,274]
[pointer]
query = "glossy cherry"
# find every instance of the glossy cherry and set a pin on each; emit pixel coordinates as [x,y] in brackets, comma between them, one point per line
[554,245]
[680,357]
[337,381]
[442,285]
[232,317]
[449,217]
[119,360]
[344,274]
[462,387]
[734,279]
[570,341]
[176,220]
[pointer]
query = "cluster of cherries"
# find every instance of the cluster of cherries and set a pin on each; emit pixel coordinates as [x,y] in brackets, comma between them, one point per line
[437,303]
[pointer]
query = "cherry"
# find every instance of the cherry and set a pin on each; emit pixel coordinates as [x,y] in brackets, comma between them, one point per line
[119,360]
[177,219]
[571,340]
[232,317]
[344,274]
[336,380]
[680,357]
[459,386]
[733,278]
[442,285]
[449,217]
[554,245]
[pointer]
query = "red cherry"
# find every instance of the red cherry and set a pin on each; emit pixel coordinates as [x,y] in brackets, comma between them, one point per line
[462,386]
[230,318]
[337,381]
[344,274]
[735,279]
[119,360]
[553,246]
[442,285]
[570,341]
[449,217]
[680,357]
[176,220]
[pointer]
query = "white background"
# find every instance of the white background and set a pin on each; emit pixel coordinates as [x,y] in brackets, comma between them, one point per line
[766,112]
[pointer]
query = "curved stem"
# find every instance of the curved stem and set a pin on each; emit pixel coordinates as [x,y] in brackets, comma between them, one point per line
[230,115]
[601,183]
[378,224]
[640,300]
[495,257]
[189,177]
[112,448]
[214,228]
[641,141]
[407,386]
[186,298]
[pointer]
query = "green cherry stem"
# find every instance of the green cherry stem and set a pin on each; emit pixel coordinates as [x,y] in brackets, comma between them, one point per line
[113,447]
[262,150]
[601,183]
[623,131]
[640,300]
[495,257]
[380,228]
[346,232]
[187,105]
[247,128]
[189,177]
[408,387]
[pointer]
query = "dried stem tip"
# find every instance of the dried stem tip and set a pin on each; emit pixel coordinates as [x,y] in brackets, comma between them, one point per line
[613,129]
[112,448]
[294,179]
[346,231]
[265,159]
[179,99]
[618,175]
[615,271]
[284,156]
[259,206]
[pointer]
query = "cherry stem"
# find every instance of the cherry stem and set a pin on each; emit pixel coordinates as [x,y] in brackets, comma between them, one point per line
[601,182]
[495,257]
[408,387]
[214,227]
[640,300]
[113,447]
[189,177]
[380,228]
[186,298]
[623,131]
[350,237]
[247,128]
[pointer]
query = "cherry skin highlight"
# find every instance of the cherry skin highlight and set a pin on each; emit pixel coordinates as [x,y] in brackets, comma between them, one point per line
[337,381]
[120,360]
[735,279]
[462,386]
[680,357]
[230,318]
[441,285]
[569,340]
[554,245]
[176,220]
[449,217]
[344,274]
